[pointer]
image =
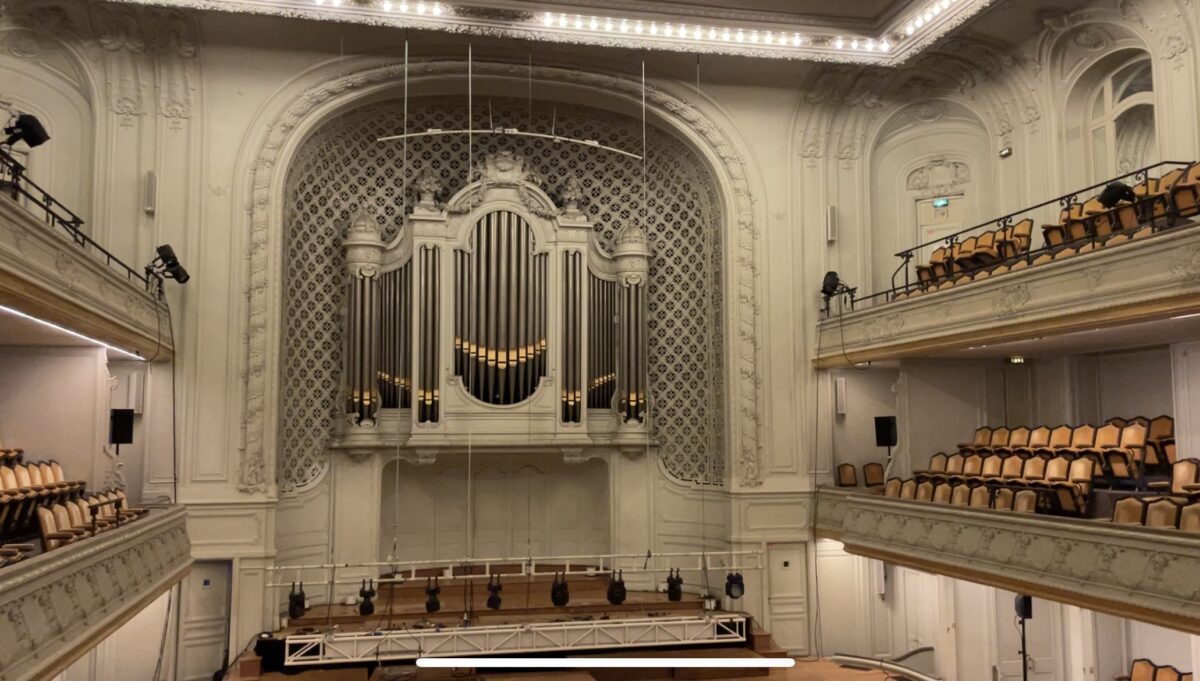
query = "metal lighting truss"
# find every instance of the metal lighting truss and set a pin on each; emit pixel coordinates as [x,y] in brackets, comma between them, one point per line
[513,639]
[530,566]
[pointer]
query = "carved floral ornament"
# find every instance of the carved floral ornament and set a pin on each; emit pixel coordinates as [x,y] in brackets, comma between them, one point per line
[300,114]
[939,176]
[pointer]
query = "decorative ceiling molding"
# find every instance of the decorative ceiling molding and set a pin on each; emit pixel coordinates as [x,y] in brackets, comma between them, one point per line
[913,29]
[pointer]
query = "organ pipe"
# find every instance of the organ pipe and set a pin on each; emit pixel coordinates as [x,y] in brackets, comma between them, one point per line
[428,388]
[499,304]
[395,340]
[572,395]
[602,330]
[632,255]
[363,246]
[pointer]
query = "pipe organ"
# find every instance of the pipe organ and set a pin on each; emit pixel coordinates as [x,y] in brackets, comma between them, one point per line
[495,314]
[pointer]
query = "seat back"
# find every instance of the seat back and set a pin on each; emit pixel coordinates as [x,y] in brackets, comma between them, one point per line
[1133,436]
[1167,673]
[57,469]
[981,497]
[46,473]
[925,491]
[22,473]
[1025,501]
[937,463]
[992,466]
[1108,435]
[1060,436]
[986,240]
[1184,472]
[1011,467]
[942,493]
[1058,467]
[972,465]
[1083,436]
[8,478]
[1081,474]
[954,464]
[1034,468]
[892,488]
[961,495]
[1162,513]
[847,475]
[1129,511]
[1039,437]
[1018,437]
[873,474]
[908,489]
[1189,518]
[1003,499]
[48,526]
[1000,437]
[1141,670]
[1021,233]
[982,436]
[1162,426]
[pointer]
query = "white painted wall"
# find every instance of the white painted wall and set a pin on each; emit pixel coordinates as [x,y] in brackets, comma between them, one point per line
[133,650]
[869,393]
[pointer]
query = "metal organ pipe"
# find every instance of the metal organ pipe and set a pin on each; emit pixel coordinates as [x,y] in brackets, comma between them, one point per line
[428,390]
[363,247]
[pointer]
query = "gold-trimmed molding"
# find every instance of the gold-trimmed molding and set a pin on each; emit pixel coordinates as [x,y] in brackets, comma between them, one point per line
[45,275]
[1140,281]
[56,606]
[1143,574]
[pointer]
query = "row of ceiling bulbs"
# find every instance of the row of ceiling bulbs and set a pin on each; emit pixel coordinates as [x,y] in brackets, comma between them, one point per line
[683,31]
[432,8]
[927,16]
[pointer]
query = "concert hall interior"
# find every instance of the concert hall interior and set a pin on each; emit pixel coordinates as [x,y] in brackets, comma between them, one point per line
[781,338]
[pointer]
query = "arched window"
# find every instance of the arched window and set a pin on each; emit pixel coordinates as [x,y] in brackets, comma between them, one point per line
[1121,120]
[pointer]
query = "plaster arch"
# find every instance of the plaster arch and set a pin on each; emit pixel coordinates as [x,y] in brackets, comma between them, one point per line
[312,98]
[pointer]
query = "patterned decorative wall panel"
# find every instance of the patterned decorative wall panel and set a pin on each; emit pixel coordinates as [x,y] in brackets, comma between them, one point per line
[342,168]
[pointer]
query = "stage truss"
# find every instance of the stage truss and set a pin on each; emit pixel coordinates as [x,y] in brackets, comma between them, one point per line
[513,639]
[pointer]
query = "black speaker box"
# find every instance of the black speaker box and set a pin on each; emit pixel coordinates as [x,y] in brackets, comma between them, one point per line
[1024,606]
[120,427]
[885,431]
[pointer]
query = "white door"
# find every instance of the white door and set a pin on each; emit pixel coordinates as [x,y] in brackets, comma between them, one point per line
[937,218]
[1042,638]
[920,598]
[788,595]
[204,620]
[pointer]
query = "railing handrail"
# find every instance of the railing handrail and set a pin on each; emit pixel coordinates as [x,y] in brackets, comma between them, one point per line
[1064,200]
[14,172]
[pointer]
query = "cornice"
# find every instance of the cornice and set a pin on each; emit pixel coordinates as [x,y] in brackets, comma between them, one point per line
[57,605]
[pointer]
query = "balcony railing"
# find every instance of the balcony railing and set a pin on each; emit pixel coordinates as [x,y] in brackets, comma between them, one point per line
[15,183]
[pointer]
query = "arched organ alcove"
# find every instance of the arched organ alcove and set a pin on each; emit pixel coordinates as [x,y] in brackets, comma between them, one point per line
[494,319]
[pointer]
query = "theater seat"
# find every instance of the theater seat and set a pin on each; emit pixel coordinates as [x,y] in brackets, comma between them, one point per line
[1129,511]
[1162,513]
[847,475]
[873,475]
[908,490]
[892,488]
[1189,518]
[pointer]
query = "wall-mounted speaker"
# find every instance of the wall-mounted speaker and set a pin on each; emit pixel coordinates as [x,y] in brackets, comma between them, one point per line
[839,395]
[1024,606]
[831,224]
[120,427]
[885,431]
[150,193]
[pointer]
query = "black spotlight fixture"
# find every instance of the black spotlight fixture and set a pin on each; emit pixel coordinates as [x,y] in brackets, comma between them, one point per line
[432,602]
[735,587]
[616,588]
[494,589]
[559,594]
[674,586]
[296,604]
[166,265]
[28,129]
[367,606]
[832,285]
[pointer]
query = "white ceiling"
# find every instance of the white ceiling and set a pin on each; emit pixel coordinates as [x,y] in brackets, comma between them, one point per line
[1128,337]
[19,331]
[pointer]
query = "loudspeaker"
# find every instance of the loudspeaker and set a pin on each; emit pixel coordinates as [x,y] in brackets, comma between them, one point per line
[885,431]
[1024,606]
[271,650]
[120,427]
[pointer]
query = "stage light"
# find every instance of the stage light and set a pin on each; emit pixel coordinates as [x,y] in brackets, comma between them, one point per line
[167,265]
[674,586]
[296,604]
[494,588]
[735,587]
[1006,152]
[559,594]
[432,603]
[366,606]
[28,129]
[829,285]
[616,589]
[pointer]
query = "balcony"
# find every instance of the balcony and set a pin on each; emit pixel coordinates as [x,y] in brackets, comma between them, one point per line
[1140,573]
[57,605]
[50,269]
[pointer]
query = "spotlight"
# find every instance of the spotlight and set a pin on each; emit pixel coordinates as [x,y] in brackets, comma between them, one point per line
[432,604]
[167,265]
[559,594]
[1006,152]
[829,284]
[296,605]
[735,587]
[616,588]
[674,586]
[366,606]
[494,588]
[27,129]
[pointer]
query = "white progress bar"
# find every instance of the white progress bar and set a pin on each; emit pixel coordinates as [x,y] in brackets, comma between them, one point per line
[607,662]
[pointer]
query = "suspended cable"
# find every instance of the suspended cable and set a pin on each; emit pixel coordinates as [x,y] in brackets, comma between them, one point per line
[470,122]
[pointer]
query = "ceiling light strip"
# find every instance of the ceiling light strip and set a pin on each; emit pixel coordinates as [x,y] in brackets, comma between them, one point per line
[69,332]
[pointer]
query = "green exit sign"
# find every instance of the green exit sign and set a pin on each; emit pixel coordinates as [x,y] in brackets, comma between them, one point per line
[941,203]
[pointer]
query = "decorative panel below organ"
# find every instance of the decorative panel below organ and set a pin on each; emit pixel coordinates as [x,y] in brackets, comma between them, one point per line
[493,317]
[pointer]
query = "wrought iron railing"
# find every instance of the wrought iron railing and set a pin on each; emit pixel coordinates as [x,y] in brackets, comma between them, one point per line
[1145,213]
[15,183]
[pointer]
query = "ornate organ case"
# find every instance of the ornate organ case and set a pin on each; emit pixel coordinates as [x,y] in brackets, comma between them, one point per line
[494,319]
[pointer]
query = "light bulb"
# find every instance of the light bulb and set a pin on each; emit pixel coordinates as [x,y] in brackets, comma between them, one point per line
[578,22]
[420,8]
[725,35]
[608,24]
[885,46]
[754,37]
[740,36]
[653,28]
[437,9]
[838,42]
[593,24]
[937,9]
[927,17]
[387,6]
[403,6]
[770,39]
[712,34]
[624,26]
[637,28]
[919,22]
[547,20]
[562,21]
[667,30]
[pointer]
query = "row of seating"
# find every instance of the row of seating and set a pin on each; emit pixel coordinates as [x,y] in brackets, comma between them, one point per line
[1130,214]
[39,506]
[1158,512]
[1145,670]
[847,475]
[1057,485]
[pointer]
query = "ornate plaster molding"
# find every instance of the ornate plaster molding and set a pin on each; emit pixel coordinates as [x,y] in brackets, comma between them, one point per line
[263,286]
[1146,279]
[1133,572]
[45,274]
[57,605]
